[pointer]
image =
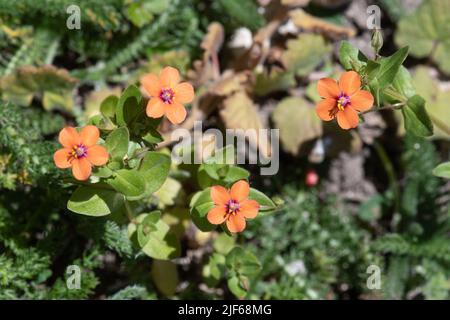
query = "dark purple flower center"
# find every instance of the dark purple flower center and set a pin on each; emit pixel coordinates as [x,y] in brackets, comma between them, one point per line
[232,206]
[78,151]
[167,95]
[343,101]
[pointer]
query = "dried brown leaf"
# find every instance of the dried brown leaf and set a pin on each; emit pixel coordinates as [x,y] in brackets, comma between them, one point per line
[310,23]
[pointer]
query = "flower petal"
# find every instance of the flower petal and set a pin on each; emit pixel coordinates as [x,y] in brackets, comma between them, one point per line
[249,208]
[328,88]
[184,92]
[81,169]
[69,137]
[349,82]
[240,190]
[97,155]
[219,195]
[61,157]
[176,112]
[362,100]
[169,77]
[155,108]
[348,118]
[236,223]
[217,215]
[324,107]
[89,135]
[151,84]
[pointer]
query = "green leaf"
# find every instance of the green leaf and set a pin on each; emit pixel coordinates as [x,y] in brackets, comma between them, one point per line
[234,174]
[142,12]
[372,69]
[442,170]
[417,120]
[223,243]
[243,266]
[200,205]
[389,67]
[426,32]
[128,182]
[156,239]
[154,168]
[243,262]
[165,276]
[403,83]
[305,53]
[108,106]
[169,193]
[214,270]
[266,204]
[96,200]
[102,172]
[128,105]
[117,143]
[235,285]
[351,57]
[153,136]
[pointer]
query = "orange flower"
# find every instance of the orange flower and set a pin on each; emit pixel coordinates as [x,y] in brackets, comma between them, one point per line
[343,100]
[80,151]
[232,206]
[167,95]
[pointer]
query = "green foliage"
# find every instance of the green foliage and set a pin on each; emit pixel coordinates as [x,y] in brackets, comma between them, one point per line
[24,156]
[242,13]
[308,247]
[421,238]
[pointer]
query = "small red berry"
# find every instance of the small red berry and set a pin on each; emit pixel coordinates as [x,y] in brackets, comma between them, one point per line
[312,178]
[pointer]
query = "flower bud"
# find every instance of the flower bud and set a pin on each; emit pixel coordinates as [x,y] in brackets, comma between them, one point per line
[377,40]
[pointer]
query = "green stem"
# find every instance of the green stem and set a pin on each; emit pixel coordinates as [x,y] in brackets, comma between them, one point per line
[394,106]
[388,167]
[129,211]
